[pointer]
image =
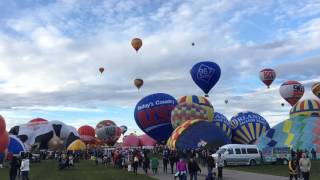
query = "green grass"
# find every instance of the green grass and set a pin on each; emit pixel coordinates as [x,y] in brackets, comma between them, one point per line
[279,170]
[85,170]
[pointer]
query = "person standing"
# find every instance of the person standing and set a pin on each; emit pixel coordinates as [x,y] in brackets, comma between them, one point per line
[135,164]
[305,166]
[182,169]
[14,166]
[25,168]
[314,154]
[165,160]
[210,164]
[220,163]
[146,164]
[193,169]
[154,165]
[293,169]
[172,159]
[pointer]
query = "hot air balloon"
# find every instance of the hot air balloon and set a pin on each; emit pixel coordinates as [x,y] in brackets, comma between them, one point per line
[316,89]
[108,132]
[205,74]
[77,145]
[196,134]
[101,69]
[15,146]
[308,107]
[2,125]
[123,129]
[267,76]
[146,140]
[292,91]
[202,101]
[186,112]
[87,134]
[153,115]
[192,44]
[4,141]
[38,121]
[226,101]
[247,127]
[221,122]
[136,43]
[131,140]
[138,83]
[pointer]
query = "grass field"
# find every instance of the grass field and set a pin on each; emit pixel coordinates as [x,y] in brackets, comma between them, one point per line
[85,170]
[279,170]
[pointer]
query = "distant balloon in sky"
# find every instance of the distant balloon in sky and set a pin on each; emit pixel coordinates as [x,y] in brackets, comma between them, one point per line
[267,76]
[136,43]
[101,69]
[226,101]
[316,89]
[153,115]
[138,83]
[193,44]
[292,91]
[205,74]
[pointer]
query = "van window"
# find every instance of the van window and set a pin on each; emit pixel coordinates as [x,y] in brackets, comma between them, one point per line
[243,151]
[237,151]
[230,151]
[252,151]
[221,151]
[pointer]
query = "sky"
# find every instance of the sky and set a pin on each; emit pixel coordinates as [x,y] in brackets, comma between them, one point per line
[50,53]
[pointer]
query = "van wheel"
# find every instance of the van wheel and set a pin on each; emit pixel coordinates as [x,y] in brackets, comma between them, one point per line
[252,162]
[284,161]
[225,163]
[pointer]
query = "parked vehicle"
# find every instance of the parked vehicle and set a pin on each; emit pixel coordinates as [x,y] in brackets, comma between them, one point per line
[280,155]
[239,154]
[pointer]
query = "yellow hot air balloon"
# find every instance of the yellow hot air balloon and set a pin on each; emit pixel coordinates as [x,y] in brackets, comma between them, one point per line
[136,43]
[316,89]
[138,83]
[76,145]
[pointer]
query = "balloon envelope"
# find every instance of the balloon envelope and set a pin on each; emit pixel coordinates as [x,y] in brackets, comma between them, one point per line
[146,140]
[101,69]
[123,129]
[196,134]
[247,127]
[138,83]
[221,122]
[87,133]
[108,132]
[2,125]
[316,89]
[15,146]
[292,91]
[153,115]
[136,43]
[205,74]
[4,141]
[202,101]
[308,107]
[267,76]
[131,140]
[77,145]
[187,111]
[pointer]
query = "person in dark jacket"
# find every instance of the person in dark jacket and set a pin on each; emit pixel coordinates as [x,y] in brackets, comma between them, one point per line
[146,164]
[210,164]
[172,159]
[293,169]
[193,169]
[14,167]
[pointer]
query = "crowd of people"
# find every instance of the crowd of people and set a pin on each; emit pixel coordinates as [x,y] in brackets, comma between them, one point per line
[181,164]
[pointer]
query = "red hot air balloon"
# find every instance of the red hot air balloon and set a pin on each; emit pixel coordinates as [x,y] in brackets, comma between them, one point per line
[2,125]
[131,140]
[37,121]
[4,141]
[267,76]
[292,91]
[87,134]
[146,140]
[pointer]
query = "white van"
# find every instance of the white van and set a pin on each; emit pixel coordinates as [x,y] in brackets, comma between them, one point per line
[239,154]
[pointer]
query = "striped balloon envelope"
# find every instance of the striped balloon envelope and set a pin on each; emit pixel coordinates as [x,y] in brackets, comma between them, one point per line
[308,107]
[195,134]
[202,101]
[247,127]
[184,112]
[221,122]
[316,89]
[291,91]
[300,132]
